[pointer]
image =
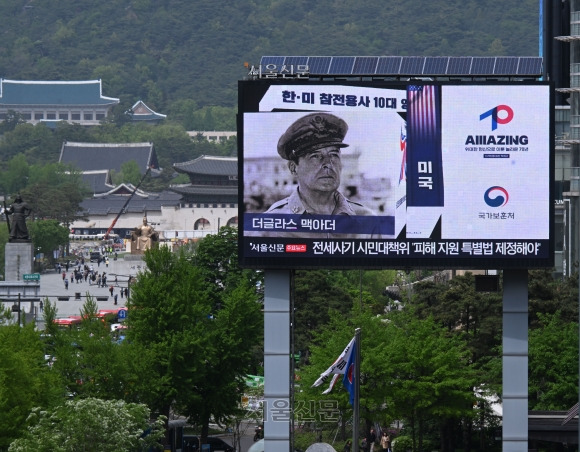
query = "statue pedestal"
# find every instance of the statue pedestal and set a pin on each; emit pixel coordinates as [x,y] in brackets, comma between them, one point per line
[18,260]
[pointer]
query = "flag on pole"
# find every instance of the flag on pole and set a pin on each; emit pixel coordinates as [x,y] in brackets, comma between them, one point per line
[350,374]
[338,368]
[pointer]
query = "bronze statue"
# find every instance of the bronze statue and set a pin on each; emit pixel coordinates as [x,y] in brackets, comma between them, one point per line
[143,238]
[19,210]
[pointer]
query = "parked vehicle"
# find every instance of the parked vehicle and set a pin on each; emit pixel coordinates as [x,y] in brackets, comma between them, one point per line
[191,444]
[95,256]
[68,322]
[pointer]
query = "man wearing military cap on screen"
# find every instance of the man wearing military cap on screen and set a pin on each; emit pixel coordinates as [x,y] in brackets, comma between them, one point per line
[312,147]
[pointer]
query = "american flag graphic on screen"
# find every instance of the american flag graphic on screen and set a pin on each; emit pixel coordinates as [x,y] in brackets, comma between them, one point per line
[424,170]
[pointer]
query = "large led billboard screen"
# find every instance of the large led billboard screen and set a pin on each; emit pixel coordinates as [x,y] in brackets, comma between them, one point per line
[395,174]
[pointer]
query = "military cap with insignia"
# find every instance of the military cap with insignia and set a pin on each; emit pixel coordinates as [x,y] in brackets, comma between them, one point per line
[310,133]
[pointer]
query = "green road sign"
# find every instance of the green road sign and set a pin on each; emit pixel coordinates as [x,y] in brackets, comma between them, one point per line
[31,277]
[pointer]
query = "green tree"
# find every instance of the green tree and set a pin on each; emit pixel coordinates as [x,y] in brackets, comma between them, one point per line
[411,369]
[547,295]
[15,177]
[10,122]
[130,173]
[317,294]
[172,317]
[37,143]
[89,362]
[48,236]
[55,192]
[217,259]
[553,363]
[169,320]
[90,425]
[459,308]
[26,380]
[236,330]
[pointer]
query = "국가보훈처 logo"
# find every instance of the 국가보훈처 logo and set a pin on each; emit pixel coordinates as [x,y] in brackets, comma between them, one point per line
[502,114]
[496,196]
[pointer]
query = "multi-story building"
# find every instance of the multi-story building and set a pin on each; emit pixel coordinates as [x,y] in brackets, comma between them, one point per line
[561,48]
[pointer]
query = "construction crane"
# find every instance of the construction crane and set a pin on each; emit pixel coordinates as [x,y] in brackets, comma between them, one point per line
[106,237]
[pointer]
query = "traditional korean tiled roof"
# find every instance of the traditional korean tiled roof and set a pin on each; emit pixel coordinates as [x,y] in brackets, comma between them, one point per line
[206,190]
[122,190]
[209,165]
[97,181]
[20,93]
[111,203]
[109,156]
[141,112]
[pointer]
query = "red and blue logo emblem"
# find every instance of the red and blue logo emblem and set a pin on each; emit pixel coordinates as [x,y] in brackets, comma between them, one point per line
[502,114]
[496,196]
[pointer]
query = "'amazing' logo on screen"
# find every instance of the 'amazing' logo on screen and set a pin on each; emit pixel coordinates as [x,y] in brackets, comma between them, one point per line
[506,116]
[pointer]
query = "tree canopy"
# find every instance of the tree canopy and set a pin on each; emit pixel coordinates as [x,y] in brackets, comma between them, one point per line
[25,380]
[91,425]
[148,50]
[193,322]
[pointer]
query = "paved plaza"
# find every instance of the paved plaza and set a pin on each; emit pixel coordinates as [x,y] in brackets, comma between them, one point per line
[52,287]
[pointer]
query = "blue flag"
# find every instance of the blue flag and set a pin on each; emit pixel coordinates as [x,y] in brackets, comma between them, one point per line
[349,374]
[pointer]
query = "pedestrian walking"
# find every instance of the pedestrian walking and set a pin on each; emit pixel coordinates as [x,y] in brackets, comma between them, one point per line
[115,298]
[66,283]
[111,289]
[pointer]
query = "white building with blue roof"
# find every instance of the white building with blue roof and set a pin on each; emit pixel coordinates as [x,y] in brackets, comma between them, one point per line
[76,102]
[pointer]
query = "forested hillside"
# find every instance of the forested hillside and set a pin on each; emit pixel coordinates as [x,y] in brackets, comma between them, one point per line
[181,55]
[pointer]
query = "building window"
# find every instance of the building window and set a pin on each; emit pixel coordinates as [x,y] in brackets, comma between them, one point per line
[27,116]
[38,116]
[63,116]
[51,115]
[100,116]
[88,116]
[2,116]
[76,116]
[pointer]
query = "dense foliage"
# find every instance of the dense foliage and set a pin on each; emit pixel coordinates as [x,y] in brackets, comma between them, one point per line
[437,364]
[91,425]
[193,322]
[167,52]
[30,154]
[25,379]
